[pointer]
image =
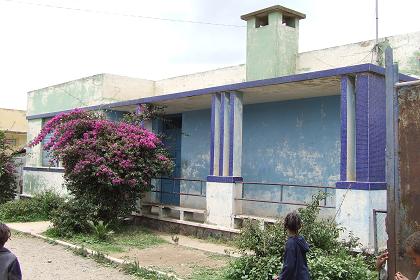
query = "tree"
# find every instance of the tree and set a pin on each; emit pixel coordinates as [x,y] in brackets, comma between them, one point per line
[107,165]
[8,183]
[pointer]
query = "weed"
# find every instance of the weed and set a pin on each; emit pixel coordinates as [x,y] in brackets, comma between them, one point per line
[100,230]
[133,268]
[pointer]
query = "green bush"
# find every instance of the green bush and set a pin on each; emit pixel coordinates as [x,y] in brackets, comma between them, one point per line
[72,217]
[37,208]
[329,258]
[339,266]
[253,267]
[8,183]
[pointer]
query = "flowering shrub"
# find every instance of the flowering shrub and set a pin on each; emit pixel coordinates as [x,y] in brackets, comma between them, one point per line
[8,182]
[106,164]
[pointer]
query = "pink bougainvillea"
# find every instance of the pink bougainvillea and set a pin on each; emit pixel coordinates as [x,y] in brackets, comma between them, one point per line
[116,153]
[98,154]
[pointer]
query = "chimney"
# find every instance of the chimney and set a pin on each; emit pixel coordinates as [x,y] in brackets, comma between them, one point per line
[272,42]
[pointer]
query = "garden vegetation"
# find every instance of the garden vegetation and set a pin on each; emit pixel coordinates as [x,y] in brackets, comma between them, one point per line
[8,183]
[329,258]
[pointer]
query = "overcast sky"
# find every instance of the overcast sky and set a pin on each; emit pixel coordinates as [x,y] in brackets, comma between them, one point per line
[43,46]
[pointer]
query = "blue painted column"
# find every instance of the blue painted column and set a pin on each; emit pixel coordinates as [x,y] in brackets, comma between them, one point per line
[362,187]
[224,183]
[226,137]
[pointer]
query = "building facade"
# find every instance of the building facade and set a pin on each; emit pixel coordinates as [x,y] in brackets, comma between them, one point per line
[14,124]
[253,141]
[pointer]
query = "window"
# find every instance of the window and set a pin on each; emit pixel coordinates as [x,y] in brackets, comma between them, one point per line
[289,21]
[11,142]
[261,21]
[46,155]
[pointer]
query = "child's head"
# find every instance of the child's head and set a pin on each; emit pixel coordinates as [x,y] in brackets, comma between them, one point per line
[4,234]
[412,247]
[292,222]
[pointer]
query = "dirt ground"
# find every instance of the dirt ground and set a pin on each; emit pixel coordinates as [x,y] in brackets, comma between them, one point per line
[40,260]
[175,259]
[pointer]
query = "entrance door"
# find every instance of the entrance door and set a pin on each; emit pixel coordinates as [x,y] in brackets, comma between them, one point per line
[172,130]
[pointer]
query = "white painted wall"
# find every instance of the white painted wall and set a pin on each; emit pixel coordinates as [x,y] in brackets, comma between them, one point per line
[218,77]
[356,213]
[120,88]
[221,203]
[39,181]
[405,47]
[34,154]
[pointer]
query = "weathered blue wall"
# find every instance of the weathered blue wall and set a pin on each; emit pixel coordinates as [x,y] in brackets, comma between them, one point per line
[195,154]
[295,142]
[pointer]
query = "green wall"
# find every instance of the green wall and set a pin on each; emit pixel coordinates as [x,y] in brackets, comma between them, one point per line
[271,49]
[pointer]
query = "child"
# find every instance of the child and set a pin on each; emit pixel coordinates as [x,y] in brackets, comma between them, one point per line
[9,265]
[412,248]
[295,266]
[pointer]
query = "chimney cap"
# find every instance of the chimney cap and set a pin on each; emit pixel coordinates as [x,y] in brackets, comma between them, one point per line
[277,8]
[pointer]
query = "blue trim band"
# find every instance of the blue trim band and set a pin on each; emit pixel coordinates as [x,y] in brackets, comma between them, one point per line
[224,179]
[43,169]
[366,186]
[239,86]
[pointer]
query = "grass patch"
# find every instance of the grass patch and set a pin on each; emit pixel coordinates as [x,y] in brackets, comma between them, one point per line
[205,273]
[126,237]
[142,273]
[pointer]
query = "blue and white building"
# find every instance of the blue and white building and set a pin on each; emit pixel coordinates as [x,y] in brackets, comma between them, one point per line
[252,141]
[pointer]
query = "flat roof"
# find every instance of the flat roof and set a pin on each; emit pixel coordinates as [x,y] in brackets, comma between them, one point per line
[281,88]
[276,8]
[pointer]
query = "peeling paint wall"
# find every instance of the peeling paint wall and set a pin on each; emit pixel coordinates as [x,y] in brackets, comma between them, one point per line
[94,90]
[38,181]
[406,52]
[34,154]
[296,142]
[356,213]
[195,155]
[80,93]
[120,88]
[218,77]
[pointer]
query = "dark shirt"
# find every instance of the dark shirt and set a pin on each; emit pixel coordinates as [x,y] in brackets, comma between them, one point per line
[9,266]
[295,265]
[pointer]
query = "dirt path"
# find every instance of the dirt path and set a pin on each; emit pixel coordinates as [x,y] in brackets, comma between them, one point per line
[42,261]
[176,259]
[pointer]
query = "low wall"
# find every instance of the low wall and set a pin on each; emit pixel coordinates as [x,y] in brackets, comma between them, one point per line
[43,179]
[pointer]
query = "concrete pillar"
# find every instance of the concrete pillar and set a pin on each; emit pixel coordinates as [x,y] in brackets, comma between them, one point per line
[224,183]
[362,187]
[215,135]
[235,146]
[356,212]
[351,129]
[224,135]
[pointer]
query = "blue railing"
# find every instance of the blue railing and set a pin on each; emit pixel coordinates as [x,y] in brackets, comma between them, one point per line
[281,193]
